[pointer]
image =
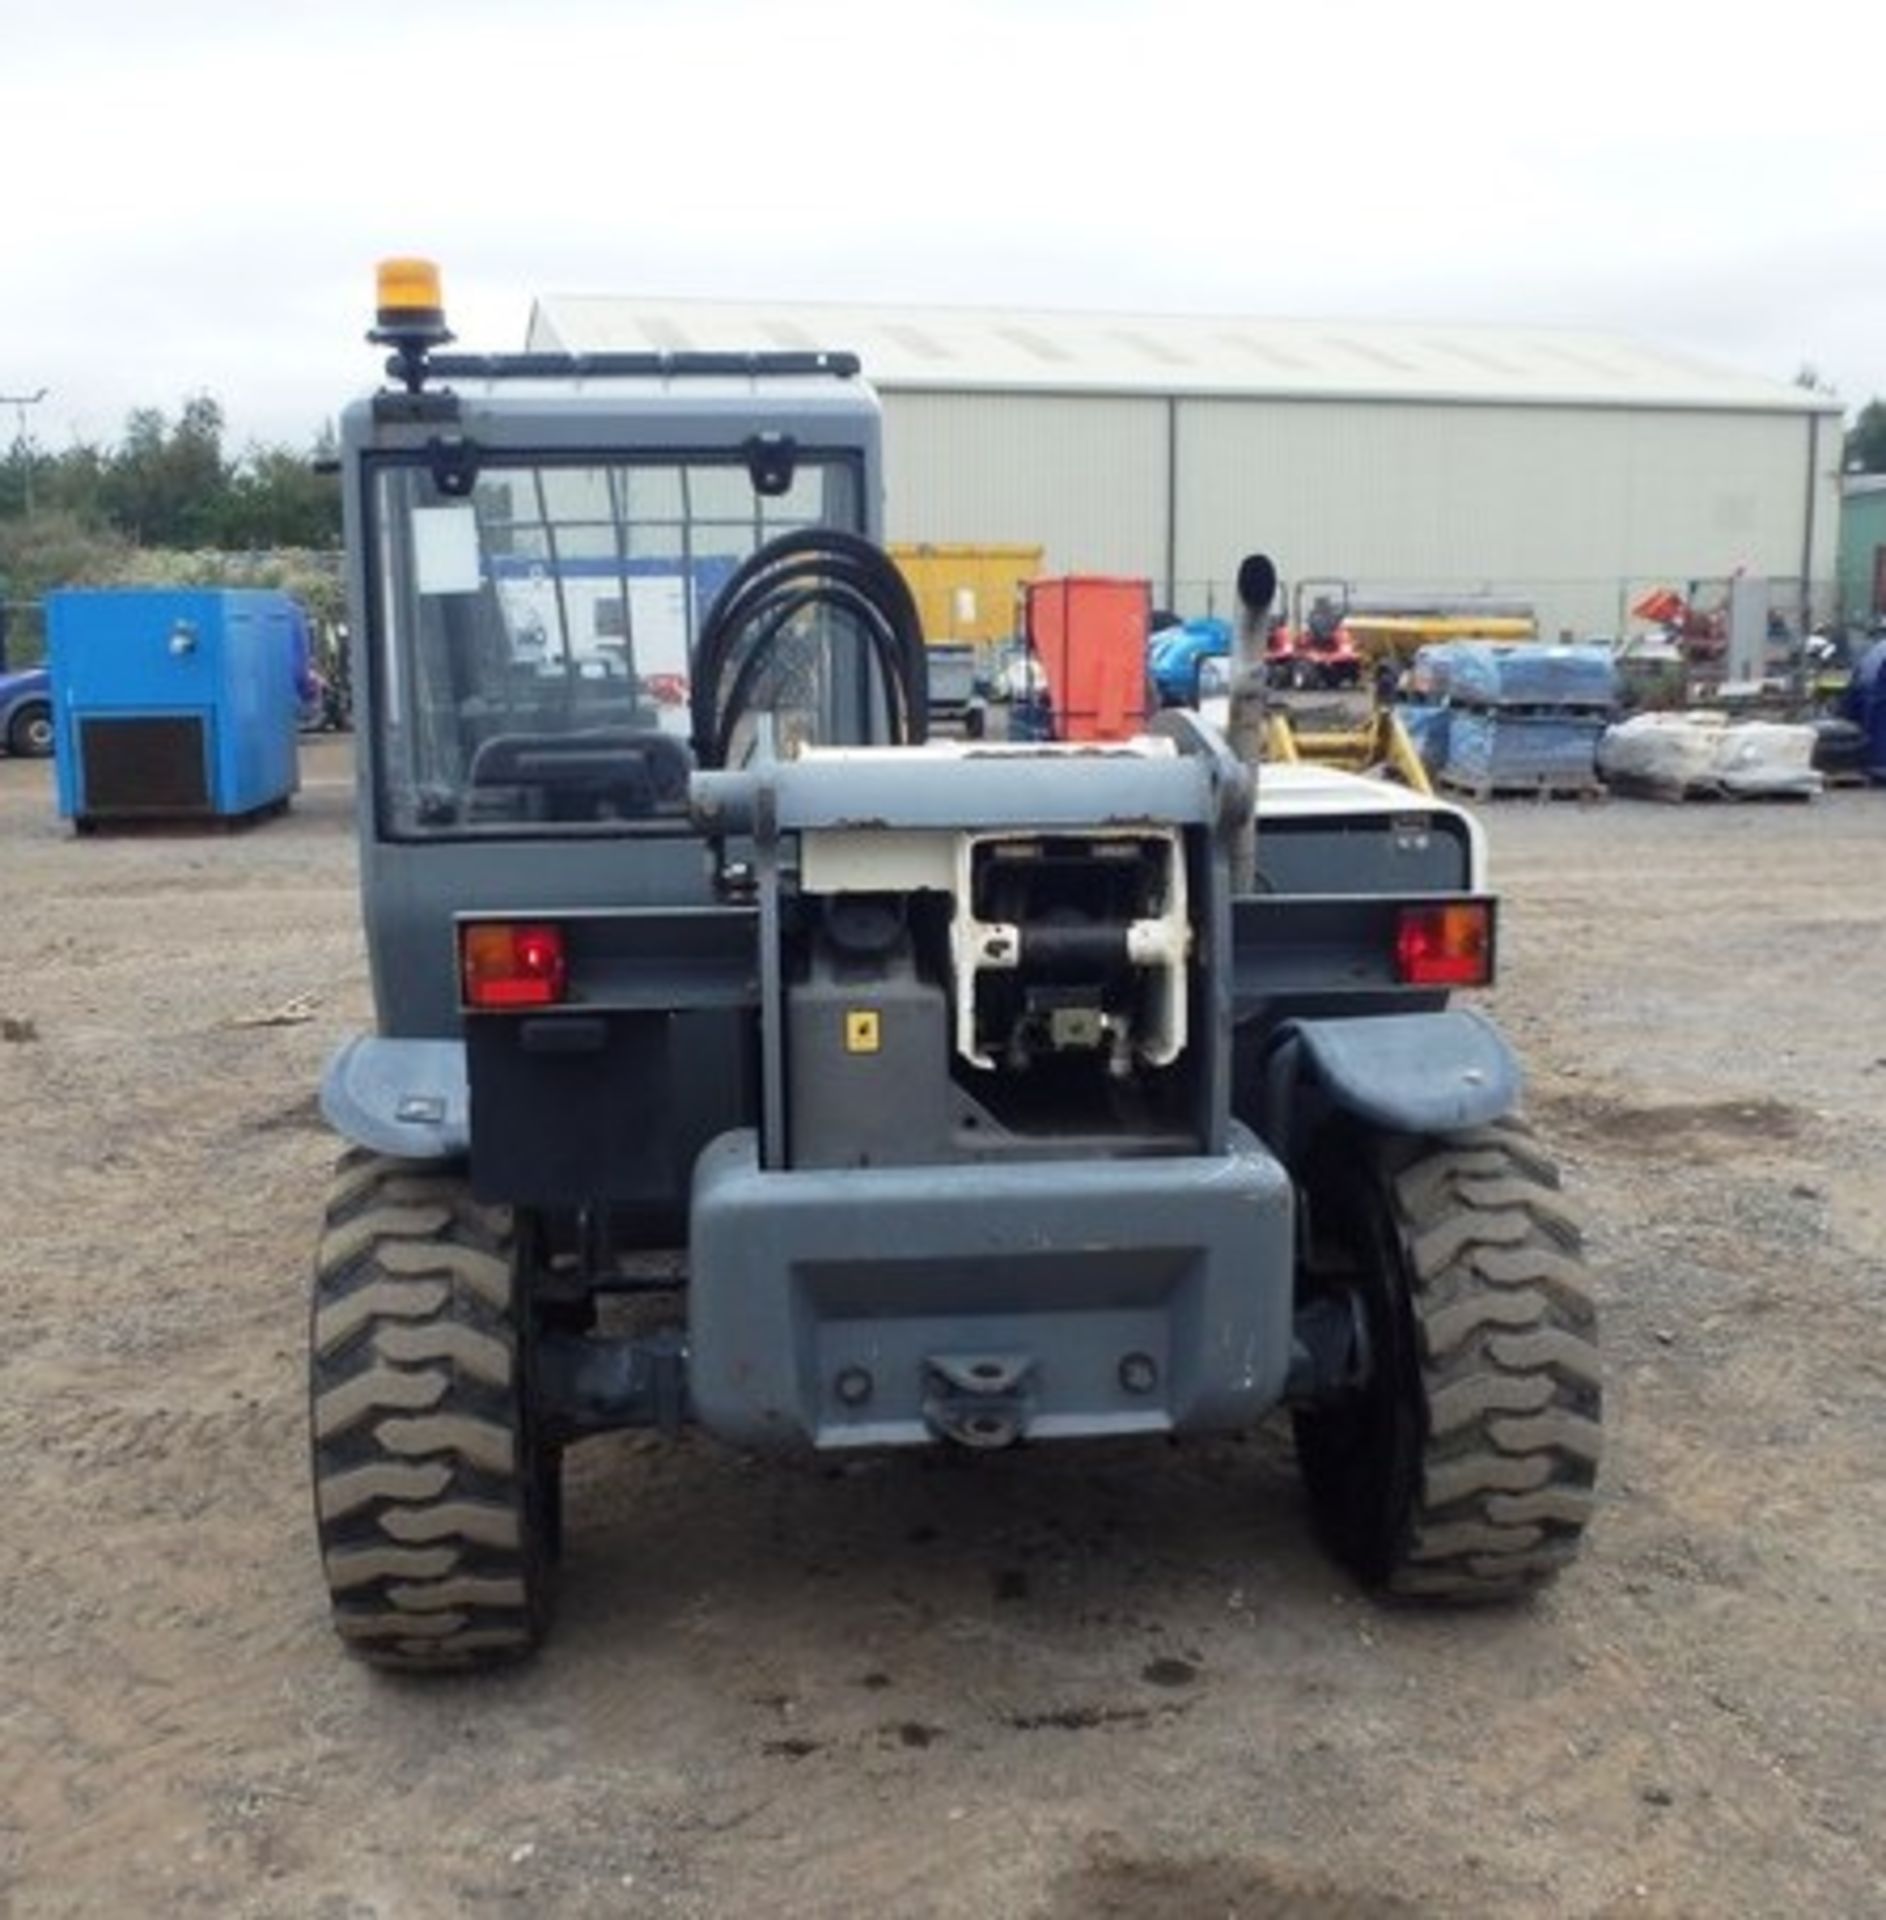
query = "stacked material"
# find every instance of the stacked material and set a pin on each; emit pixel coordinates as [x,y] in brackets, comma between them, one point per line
[1496,752]
[1427,723]
[1535,679]
[1522,717]
[1681,755]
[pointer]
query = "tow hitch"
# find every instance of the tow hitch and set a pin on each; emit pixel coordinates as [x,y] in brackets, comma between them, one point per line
[980,1400]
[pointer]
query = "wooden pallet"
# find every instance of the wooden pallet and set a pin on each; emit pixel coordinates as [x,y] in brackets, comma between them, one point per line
[1480,791]
[1636,787]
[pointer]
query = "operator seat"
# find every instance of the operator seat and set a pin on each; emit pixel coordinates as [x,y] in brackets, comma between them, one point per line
[598,774]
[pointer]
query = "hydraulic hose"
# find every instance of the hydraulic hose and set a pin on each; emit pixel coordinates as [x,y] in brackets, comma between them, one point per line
[812,570]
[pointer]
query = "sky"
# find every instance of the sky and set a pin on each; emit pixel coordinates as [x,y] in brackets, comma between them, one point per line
[196,192]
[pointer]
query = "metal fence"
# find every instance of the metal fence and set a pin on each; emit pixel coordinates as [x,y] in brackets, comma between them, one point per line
[1562,609]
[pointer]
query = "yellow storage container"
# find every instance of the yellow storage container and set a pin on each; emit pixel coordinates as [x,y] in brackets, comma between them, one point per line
[967,594]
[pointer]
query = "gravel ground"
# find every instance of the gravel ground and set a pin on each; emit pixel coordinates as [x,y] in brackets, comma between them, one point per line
[1061,1683]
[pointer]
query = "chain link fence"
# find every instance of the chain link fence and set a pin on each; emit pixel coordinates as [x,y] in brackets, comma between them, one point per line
[1560,609]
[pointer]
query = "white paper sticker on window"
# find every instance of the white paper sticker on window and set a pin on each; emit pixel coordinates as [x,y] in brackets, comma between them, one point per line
[445,549]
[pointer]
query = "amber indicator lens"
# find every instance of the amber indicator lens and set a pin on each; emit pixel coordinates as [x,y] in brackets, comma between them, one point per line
[503,963]
[1445,946]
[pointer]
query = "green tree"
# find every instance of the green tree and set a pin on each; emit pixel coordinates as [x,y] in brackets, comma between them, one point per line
[1866,440]
[73,482]
[171,484]
[165,485]
[277,499]
[61,482]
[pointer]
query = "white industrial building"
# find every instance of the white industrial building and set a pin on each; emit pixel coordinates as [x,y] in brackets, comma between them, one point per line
[1571,470]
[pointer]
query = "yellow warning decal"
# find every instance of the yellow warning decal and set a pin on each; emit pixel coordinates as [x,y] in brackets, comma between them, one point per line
[861,1030]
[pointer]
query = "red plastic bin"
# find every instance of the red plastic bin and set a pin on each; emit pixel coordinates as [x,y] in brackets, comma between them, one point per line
[1089,633]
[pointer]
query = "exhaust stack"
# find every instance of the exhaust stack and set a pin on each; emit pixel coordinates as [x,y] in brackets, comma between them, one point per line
[1257,588]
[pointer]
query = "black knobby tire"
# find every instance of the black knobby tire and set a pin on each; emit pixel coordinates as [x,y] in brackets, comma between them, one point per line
[1465,1469]
[29,732]
[434,1502]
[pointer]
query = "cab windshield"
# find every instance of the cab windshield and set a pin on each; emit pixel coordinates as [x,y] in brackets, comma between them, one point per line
[536,635]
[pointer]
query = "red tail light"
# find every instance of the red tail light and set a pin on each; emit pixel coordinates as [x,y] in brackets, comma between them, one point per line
[505,964]
[1447,946]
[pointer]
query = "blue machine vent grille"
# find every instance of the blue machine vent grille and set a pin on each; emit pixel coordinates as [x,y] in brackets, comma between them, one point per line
[143,766]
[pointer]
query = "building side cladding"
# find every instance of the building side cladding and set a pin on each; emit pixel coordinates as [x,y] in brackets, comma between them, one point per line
[1083,476]
[1863,548]
[1569,468]
[1574,508]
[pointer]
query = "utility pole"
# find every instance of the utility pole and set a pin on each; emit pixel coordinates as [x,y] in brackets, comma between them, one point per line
[19,402]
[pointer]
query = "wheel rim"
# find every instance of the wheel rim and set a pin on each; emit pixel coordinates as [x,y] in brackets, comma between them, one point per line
[1362,1454]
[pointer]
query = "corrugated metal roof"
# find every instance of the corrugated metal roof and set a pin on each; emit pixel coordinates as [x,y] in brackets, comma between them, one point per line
[941,349]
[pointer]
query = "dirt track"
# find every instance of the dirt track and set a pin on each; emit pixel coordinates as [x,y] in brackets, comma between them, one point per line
[1059,1683]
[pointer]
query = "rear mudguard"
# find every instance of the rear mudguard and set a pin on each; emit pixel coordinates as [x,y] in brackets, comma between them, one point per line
[1423,1073]
[409,1098]
[1404,1072]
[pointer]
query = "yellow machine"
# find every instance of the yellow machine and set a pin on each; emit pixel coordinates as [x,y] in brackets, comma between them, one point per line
[966,594]
[1403,635]
[1378,744]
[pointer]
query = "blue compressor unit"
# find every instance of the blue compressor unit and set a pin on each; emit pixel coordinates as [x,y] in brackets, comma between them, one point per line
[172,703]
